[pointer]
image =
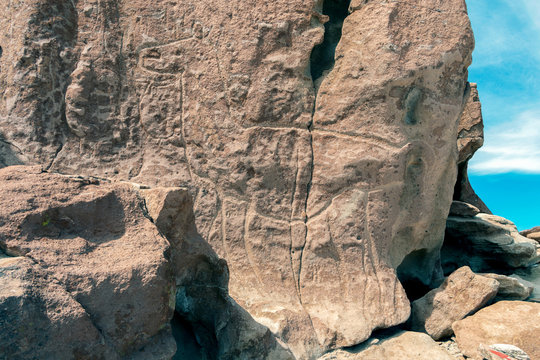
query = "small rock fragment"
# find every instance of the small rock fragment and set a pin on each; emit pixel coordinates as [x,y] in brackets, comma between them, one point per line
[462,293]
[510,288]
[503,351]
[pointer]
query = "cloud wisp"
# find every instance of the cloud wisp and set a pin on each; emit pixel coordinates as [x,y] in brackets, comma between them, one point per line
[513,146]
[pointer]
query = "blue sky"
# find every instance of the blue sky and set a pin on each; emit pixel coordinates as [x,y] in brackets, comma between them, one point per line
[506,65]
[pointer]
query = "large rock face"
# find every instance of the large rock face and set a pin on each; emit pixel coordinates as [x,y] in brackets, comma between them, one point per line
[316,199]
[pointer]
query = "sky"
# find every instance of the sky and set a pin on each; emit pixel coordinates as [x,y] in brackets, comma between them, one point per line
[505,172]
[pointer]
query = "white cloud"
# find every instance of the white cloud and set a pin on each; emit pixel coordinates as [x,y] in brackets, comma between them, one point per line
[511,147]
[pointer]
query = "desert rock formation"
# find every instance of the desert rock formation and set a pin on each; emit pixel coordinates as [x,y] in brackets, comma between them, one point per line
[277,173]
[319,183]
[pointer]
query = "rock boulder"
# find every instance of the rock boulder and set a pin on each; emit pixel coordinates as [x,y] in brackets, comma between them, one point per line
[403,345]
[514,323]
[91,269]
[461,294]
[485,243]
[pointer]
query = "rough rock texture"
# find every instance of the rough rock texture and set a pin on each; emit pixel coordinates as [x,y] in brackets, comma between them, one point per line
[315,199]
[404,345]
[533,233]
[511,288]
[39,318]
[485,242]
[507,322]
[470,139]
[222,328]
[463,209]
[461,294]
[92,276]
[471,127]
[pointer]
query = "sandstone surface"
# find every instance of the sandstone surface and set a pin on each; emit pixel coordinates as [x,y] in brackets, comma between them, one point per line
[461,294]
[403,345]
[486,243]
[470,139]
[463,209]
[533,233]
[91,276]
[506,322]
[318,185]
[511,288]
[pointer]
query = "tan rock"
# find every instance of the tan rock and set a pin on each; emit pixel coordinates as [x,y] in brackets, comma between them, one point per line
[462,209]
[97,265]
[470,139]
[461,294]
[510,288]
[471,127]
[404,345]
[314,195]
[533,233]
[506,322]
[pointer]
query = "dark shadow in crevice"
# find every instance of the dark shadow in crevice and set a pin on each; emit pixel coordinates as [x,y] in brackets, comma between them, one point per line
[186,341]
[323,55]
[412,273]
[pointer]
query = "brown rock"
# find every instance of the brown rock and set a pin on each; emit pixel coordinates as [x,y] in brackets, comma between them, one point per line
[39,318]
[463,209]
[510,288]
[461,294]
[471,127]
[533,233]
[470,139]
[316,196]
[404,345]
[507,322]
[97,263]
[222,328]
[377,134]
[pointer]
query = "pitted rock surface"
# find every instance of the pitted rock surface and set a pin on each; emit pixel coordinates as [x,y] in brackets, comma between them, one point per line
[314,198]
[90,273]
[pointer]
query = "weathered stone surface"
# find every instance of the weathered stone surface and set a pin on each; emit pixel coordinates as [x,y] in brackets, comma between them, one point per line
[222,328]
[511,288]
[471,127]
[461,294]
[40,319]
[506,322]
[470,139]
[404,345]
[103,285]
[463,209]
[484,243]
[377,134]
[533,233]
[316,200]
[503,351]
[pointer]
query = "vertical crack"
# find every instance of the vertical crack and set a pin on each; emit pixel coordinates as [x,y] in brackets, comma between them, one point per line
[323,55]
[322,61]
